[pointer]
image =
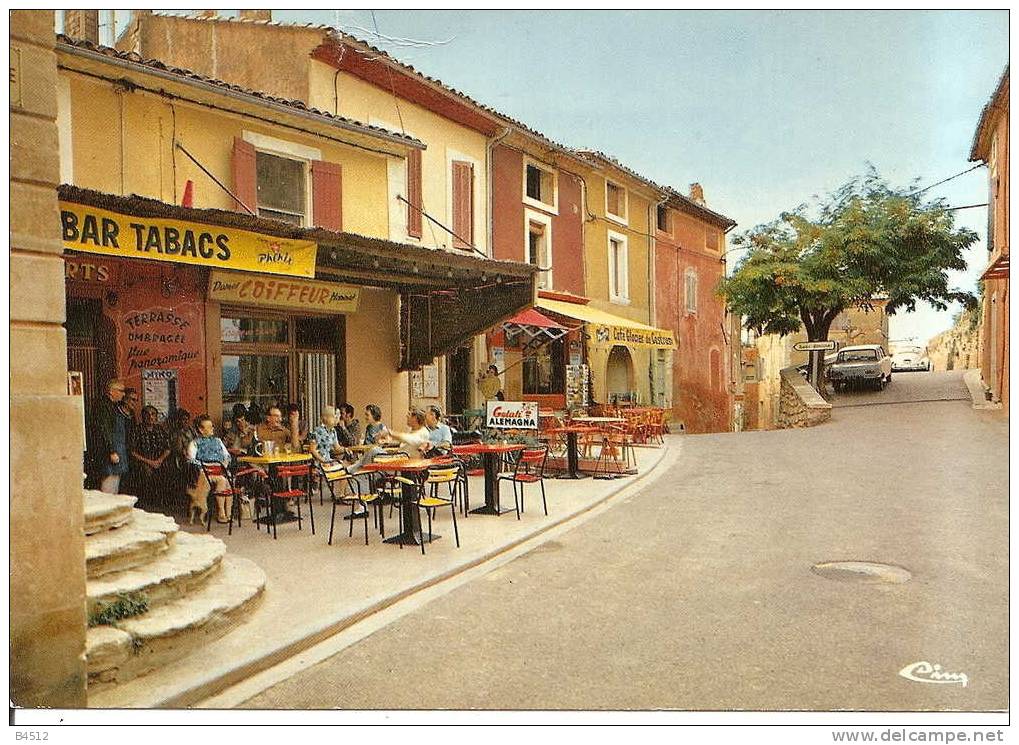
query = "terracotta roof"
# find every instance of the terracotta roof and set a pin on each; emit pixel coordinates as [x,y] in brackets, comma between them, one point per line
[371,248]
[77,46]
[999,97]
[686,204]
[336,36]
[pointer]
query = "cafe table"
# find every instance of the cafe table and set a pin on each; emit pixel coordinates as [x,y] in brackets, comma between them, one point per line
[572,449]
[414,468]
[273,460]
[490,456]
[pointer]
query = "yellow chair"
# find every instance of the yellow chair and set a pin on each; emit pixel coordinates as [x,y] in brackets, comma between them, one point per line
[331,474]
[429,499]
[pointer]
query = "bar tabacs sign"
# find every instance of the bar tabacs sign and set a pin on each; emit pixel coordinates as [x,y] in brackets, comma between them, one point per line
[512,415]
[634,337]
[100,231]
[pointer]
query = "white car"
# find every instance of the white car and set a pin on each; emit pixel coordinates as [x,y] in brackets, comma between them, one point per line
[909,357]
[866,364]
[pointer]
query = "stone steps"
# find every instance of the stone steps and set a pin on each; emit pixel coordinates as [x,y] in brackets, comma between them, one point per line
[141,540]
[106,511]
[134,646]
[184,566]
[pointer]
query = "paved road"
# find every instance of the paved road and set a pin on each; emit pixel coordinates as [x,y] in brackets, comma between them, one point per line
[909,387]
[698,592]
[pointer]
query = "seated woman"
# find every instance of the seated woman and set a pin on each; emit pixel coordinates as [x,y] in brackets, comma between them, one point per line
[322,440]
[149,449]
[240,435]
[373,427]
[207,448]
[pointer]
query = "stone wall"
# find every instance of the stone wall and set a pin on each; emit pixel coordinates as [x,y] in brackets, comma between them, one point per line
[799,404]
[47,549]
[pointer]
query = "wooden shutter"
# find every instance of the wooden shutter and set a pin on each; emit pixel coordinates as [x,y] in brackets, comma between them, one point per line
[245,176]
[414,193]
[327,194]
[463,204]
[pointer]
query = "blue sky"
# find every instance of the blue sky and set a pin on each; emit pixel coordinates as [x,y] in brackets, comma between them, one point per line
[763,108]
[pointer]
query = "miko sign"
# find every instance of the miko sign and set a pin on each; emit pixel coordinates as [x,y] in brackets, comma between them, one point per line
[815,346]
[512,415]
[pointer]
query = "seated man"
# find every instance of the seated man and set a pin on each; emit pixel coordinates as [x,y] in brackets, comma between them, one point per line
[440,437]
[272,430]
[207,448]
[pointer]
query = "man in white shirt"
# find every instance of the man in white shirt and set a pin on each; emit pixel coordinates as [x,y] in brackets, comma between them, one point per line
[416,441]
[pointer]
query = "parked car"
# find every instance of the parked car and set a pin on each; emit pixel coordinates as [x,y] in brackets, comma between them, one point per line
[910,357]
[863,365]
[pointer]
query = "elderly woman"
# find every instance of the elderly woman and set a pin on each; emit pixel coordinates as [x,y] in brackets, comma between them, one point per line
[150,448]
[322,440]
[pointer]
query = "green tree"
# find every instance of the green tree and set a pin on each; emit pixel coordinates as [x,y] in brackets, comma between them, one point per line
[865,240]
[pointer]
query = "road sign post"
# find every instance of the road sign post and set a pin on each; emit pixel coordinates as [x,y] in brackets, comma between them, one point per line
[817,350]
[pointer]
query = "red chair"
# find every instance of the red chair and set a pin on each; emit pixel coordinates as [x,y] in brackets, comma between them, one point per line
[530,469]
[213,472]
[286,475]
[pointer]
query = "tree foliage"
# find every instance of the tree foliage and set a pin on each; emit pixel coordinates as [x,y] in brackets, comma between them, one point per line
[864,241]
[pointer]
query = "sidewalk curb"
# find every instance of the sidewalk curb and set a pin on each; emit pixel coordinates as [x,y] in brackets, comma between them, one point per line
[975,384]
[218,681]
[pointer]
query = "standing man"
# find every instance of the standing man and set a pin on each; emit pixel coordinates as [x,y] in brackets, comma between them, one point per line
[112,424]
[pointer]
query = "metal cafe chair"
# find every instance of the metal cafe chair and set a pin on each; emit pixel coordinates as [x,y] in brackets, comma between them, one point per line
[334,473]
[212,471]
[285,473]
[428,498]
[530,469]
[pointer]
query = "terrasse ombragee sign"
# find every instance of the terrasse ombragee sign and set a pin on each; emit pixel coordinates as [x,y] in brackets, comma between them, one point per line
[301,294]
[512,415]
[99,231]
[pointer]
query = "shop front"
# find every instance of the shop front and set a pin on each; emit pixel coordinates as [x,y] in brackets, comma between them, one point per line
[205,309]
[622,359]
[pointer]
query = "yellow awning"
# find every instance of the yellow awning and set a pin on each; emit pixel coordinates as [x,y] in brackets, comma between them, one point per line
[607,328]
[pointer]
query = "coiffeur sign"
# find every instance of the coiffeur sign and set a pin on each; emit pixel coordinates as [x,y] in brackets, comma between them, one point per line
[634,337]
[101,231]
[512,415]
[301,294]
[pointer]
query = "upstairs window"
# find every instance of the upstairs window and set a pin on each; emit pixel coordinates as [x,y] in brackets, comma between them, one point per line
[540,186]
[711,239]
[282,188]
[539,246]
[664,219]
[463,203]
[615,201]
[619,273]
[690,291]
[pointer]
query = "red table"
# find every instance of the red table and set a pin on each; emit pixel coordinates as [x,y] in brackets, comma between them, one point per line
[411,516]
[490,457]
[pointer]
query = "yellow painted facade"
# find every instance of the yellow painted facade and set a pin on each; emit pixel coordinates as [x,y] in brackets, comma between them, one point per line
[614,374]
[445,140]
[122,143]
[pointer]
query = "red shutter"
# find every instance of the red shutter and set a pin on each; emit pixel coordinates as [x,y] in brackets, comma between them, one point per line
[463,204]
[327,195]
[414,193]
[245,177]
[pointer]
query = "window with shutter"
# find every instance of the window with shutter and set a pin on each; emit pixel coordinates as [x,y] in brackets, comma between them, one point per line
[463,204]
[245,176]
[327,194]
[414,194]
